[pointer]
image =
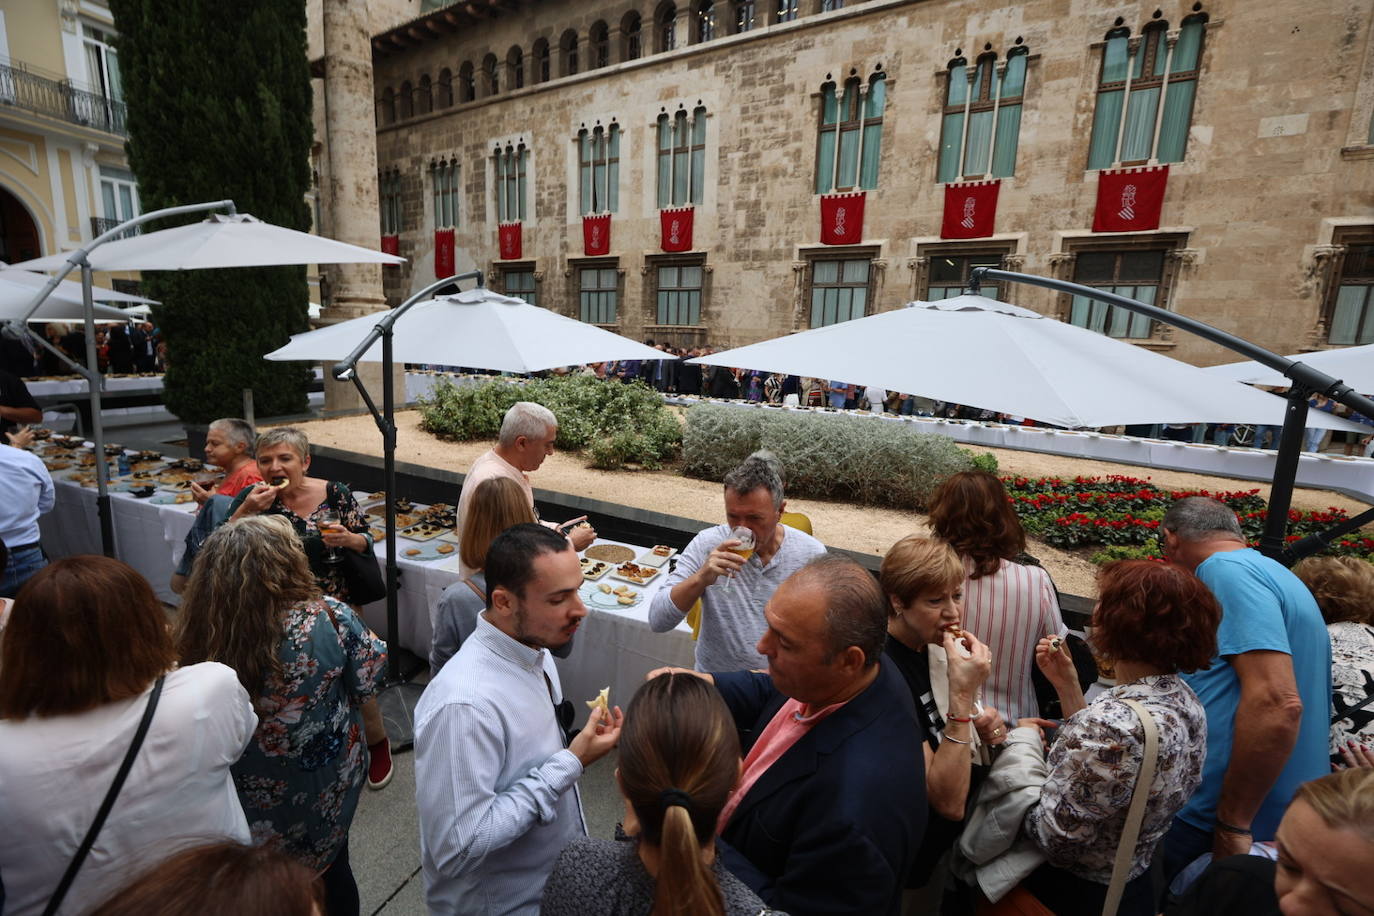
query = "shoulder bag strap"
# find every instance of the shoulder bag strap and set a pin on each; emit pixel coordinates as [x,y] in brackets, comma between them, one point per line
[475,590]
[1125,853]
[85,848]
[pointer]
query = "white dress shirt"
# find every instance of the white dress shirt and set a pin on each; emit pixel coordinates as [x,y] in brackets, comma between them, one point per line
[495,787]
[26,492]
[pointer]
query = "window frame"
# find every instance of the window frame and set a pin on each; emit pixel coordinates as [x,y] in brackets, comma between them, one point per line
[967,251]
[1346,237]
[507,268]
[1165,242]
[605,154]
[691,151]
[389,201]
[119,182]
[838,254]
[446,192]
[855,120]
[510,176]
[575,268]
[652,266]
[983,95]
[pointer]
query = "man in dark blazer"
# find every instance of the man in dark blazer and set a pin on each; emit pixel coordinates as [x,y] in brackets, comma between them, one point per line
[831,805]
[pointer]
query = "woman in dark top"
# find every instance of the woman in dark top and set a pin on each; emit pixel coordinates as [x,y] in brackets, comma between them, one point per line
[679,760]
[924,579]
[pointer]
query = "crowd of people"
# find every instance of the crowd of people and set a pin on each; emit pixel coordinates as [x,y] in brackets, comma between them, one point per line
[929,739]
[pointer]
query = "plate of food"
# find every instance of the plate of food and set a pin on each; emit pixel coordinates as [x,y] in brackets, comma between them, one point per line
[656,555]
[173,499]
[378,535]
[427,552]
[594,569]
[634,573]
[604,596]
[424,531]
[610,553]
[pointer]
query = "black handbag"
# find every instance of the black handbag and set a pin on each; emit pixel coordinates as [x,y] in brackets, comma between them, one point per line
[362,576]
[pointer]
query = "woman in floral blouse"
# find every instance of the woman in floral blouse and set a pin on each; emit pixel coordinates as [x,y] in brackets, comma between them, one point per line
[1153,621]
[1344,589]
[309,664]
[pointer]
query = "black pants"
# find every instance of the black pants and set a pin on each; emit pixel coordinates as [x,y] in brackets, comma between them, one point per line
[340,890]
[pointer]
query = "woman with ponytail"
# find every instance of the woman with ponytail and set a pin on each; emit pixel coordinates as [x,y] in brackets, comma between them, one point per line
[679,759]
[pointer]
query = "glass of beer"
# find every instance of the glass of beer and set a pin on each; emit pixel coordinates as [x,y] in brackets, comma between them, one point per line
[327,520]
[745,547]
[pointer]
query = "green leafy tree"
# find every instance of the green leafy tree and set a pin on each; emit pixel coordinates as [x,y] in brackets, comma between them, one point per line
[219,101]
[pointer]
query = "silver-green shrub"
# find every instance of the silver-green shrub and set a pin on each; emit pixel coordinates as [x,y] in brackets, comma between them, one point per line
[849,458]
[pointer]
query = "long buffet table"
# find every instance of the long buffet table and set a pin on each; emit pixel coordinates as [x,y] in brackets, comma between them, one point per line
[614,645]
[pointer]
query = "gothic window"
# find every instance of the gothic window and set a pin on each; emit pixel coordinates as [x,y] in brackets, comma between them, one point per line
[443,178]
[665,27]
[630,35]
[681,157]
[705,20]
[567,47]
[598,46]
[982,118]
[509,164]
[849,140]
[598,154]
[788,10]
[515,67]
[389,195]
[542,66]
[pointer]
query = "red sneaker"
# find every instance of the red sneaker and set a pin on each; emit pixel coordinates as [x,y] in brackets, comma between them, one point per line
[379,768]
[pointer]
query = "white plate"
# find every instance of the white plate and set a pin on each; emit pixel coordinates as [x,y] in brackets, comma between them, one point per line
[428,551]
[595,597]
[615,574]
[649,558]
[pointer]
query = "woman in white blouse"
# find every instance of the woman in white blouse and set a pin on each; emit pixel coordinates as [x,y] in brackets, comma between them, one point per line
[1154,621]
[85,648]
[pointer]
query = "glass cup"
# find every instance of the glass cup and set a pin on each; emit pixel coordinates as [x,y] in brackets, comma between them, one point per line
[330,519]
[745,547]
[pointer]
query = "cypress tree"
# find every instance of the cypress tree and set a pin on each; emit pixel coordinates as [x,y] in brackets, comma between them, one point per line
[219,100]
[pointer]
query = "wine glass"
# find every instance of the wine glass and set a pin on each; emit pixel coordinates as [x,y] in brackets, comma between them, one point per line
[328,519]
[745,547]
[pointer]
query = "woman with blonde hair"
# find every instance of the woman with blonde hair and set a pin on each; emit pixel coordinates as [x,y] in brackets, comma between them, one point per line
[1344,589]
[309,664]
[679,761]
[498,503]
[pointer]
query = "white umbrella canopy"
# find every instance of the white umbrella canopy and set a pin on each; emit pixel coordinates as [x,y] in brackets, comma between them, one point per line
[476,328]
[238,240]
[13,276]
[1352,365]
[978,351]
[15,302]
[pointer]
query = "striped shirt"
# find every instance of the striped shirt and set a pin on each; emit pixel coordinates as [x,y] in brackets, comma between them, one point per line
[1011,610]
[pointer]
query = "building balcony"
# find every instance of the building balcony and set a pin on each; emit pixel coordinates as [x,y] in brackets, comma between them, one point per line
[101,224]
[23,89]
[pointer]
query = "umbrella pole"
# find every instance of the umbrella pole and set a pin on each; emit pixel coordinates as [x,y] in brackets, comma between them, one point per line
[1272,541]
[94,380]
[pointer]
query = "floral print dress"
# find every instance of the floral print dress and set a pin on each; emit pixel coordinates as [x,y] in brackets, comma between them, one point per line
[300,778]
[1352,685]
[1094,766]
[337,497]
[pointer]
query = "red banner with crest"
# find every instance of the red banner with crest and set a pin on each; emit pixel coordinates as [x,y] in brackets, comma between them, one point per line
[596,235]
[391,244]
[676,227]
[842,218]
[1130,200]
[511,244]
[443,253]
[970,209]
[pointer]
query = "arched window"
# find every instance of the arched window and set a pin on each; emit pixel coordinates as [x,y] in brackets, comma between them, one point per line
[828,5]
[746,13]
[567,47]
[598,155]
[386,107]
[542,69]
[424,96]
[491,81]
[443,176]
[405,105]
[788,10]
[389,198]
[982,116]
[633,45]
[849,141]
[681,157]
[598,46]
[705,21]
[443,96]
[1140,77]
[509,163]
[515,67]
[467,91]
[665,27]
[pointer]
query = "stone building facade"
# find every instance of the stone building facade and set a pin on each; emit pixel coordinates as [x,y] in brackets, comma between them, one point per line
[546,112]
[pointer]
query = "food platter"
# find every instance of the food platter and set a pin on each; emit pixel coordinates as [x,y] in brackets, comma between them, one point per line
[635,574]
[610,553]
[656,555]
[605,597]
[424,531]
[426,552]
[594,569]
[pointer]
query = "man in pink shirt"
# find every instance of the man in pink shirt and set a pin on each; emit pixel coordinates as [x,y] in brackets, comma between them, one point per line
[526,439]
[831,806]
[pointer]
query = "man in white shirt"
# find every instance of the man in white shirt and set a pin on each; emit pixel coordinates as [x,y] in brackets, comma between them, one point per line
[495,780]
[26,492]
[527,434]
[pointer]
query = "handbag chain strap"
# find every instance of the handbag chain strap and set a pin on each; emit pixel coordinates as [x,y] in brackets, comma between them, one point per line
[1130,833]
[85,848]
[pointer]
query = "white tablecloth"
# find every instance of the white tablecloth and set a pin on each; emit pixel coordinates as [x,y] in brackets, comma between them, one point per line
[77,386]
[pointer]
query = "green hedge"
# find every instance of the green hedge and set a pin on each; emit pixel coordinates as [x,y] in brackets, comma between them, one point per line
[614,424]
[850,458]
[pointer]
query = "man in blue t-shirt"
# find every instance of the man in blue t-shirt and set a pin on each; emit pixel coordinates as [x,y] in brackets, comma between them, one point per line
[1267,693]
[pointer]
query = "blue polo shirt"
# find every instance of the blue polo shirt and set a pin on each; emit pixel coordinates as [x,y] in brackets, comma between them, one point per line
[1264,607]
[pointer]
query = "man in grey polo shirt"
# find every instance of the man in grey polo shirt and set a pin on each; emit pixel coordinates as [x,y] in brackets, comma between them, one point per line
[732,617]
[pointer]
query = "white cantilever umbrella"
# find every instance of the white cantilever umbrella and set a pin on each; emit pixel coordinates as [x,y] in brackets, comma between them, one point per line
[978,351]
[1352,365]
[16,285]
[475,328]
[236,240]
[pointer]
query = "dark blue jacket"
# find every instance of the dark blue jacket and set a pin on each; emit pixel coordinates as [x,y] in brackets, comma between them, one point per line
[834,824]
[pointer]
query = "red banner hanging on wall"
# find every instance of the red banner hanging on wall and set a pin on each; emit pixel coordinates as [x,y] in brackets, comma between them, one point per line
[596,235]
[391,244]
[970,210]
[511,245]
[842,218]
[443,253]
[1130,200]
[676,226]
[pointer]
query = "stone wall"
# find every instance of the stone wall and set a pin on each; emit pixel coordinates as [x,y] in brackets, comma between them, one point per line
[1277,157]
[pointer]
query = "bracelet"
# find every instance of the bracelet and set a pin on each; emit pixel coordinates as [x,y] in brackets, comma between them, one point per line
[1231,828]
[956,740]
[951,717]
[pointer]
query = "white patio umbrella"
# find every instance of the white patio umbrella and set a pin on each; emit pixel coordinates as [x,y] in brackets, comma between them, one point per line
[235,240]
[476,328]
[15,303]
[13,276]
[1352,365]
[978,351]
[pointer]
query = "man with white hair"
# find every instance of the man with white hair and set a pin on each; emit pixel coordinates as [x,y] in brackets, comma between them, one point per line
[525,440]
